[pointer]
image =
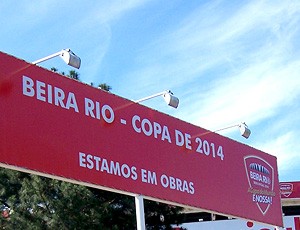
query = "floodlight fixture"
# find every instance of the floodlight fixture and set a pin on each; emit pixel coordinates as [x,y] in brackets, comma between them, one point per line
[169,98]
[67,55]
[244,130]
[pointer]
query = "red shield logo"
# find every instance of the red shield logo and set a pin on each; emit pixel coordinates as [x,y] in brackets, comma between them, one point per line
[260,175]
[286,189]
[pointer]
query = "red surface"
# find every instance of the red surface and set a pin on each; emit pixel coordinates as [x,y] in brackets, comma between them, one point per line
[290,189]
[38,135]
[297,223]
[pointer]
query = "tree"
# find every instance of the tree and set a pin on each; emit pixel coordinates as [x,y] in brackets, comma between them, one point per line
[104,86]
[73,74]
[54,69]
[161,216]
[36,202]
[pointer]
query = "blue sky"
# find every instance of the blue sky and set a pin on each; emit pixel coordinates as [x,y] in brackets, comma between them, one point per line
[227,61]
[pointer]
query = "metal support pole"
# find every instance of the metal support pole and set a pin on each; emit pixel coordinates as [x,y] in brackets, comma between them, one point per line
[140,214]
[228,127]
[47,58]
[152,96]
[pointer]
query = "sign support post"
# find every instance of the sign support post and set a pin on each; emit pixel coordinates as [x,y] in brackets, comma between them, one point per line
[140,214]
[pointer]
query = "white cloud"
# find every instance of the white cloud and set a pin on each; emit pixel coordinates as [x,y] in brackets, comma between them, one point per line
[230,66]
[285,151]
[250,66]
[108,11]
[255,93]
[83,27]
[228,61]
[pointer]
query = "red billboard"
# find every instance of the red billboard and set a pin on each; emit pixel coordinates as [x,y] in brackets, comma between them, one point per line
[59,127]
[290,190]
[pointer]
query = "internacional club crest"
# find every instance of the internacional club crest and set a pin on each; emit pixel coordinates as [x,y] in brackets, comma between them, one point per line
[260,175]
[286,189]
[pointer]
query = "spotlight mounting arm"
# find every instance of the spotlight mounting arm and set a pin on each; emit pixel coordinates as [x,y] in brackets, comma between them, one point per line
[244,130]
[66,54]
[168,96]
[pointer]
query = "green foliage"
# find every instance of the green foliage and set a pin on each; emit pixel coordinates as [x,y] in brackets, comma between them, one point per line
[73,74]
[41,203]
[161,216]
[105,87]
